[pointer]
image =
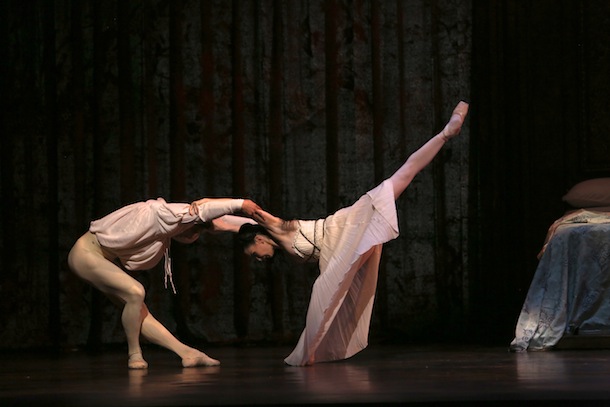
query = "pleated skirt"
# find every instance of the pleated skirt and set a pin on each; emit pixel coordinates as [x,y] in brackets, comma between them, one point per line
[339,312]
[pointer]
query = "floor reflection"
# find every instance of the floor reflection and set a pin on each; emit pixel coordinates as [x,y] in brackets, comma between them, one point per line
[540,366]
[147,382]
[331,378]
[249,376]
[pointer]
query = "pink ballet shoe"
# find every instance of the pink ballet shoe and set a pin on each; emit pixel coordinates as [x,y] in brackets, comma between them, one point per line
[136,361]
[454,126]
[201,359]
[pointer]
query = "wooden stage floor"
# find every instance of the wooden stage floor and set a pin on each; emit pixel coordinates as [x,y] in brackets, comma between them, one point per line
[380,375]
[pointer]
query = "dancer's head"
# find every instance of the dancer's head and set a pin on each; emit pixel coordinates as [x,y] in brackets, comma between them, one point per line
[257,242]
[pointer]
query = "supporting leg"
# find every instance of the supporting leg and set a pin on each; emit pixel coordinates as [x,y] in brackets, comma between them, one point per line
[87,260]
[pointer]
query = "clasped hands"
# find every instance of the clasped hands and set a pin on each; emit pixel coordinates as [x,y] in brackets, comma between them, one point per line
[248,206]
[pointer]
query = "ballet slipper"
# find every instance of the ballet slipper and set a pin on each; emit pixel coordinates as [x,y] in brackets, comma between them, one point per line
[454,126]
[136,361]
[199,359]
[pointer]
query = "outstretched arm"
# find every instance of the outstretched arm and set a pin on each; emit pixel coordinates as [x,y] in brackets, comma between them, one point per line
[208,209]
[229,223]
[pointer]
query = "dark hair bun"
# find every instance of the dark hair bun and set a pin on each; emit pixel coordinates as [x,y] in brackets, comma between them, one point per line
[248,231]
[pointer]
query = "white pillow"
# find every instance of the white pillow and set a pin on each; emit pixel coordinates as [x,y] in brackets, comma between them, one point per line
[589,194]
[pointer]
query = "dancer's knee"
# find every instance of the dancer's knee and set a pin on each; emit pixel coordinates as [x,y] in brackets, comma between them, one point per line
[135,293]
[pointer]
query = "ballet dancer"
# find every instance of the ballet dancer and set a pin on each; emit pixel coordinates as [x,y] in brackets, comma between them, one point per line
[137,236]
[347,246]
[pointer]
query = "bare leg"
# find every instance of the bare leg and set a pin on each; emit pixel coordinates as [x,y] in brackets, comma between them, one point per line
[422,157]
[156,333]
[135,359]
[87,260]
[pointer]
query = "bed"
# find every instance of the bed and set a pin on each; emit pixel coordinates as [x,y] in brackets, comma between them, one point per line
[569,296]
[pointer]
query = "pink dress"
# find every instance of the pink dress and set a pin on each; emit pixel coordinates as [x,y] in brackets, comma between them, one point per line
[347,245]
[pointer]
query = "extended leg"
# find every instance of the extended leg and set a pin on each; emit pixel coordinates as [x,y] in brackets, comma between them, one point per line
[156,333]
[422,157]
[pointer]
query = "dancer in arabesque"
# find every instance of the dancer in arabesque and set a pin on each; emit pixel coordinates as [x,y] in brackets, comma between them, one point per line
[347,245]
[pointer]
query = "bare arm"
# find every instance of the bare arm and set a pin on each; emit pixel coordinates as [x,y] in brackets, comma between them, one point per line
[272,223]
[208,209]
[229,223]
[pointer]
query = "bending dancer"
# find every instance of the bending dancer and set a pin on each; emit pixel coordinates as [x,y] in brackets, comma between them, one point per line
[347,246]
[137,236]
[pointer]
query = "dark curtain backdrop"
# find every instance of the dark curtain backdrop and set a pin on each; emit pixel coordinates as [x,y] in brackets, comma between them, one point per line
[301,106]
[541,124]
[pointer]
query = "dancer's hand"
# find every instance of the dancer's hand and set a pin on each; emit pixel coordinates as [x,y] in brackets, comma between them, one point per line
[259,216]
[194,208]
[267,220]
[249,207]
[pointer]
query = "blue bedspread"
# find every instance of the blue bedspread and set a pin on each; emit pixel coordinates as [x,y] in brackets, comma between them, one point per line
[570,291]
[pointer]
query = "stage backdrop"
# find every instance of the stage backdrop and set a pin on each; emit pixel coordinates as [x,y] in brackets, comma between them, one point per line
[541,124]
[301,106]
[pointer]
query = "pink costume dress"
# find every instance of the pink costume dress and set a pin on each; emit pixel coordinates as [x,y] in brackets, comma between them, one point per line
[140,234]
[347,245]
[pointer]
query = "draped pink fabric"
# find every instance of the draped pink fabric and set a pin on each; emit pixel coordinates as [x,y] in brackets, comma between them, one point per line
[138,234]
[339,313]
